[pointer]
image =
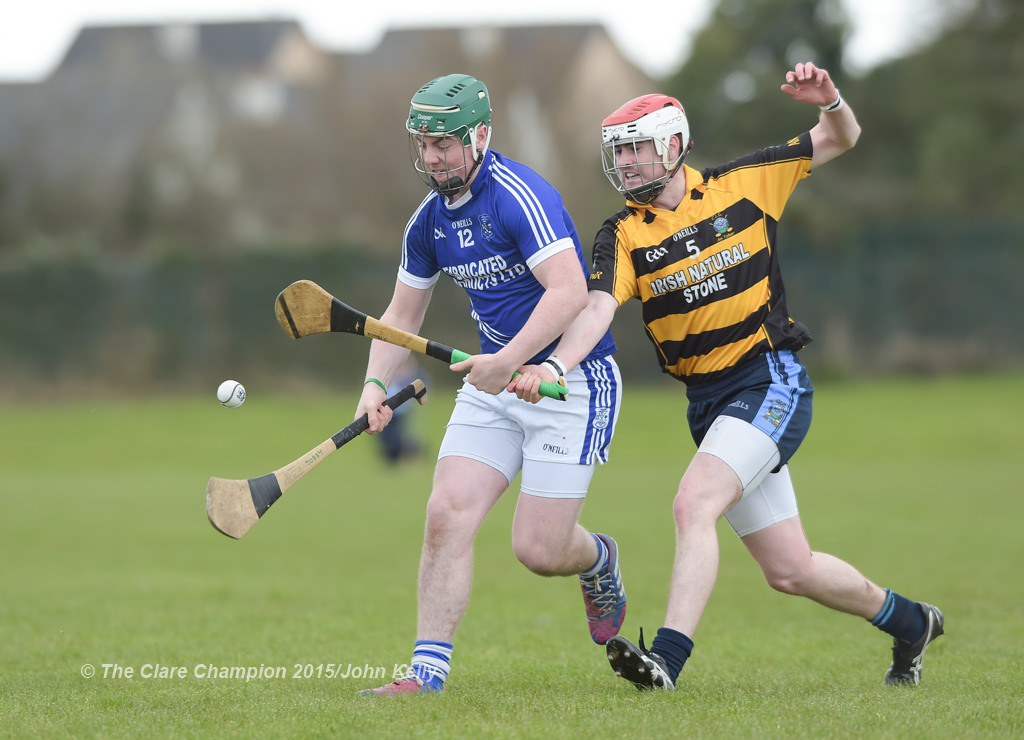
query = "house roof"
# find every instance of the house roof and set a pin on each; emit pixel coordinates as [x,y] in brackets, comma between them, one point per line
[226,45]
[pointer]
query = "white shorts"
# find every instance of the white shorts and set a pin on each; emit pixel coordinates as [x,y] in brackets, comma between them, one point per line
[768,498]
[556,444]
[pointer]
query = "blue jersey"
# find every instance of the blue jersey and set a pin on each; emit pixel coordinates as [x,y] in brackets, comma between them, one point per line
[489,242]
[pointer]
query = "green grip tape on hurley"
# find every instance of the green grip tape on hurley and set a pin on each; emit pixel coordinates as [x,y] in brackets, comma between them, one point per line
[556,391]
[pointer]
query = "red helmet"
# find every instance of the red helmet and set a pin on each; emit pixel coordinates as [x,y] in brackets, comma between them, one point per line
[654,117]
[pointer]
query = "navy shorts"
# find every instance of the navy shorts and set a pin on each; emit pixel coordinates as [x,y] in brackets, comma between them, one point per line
[772,391]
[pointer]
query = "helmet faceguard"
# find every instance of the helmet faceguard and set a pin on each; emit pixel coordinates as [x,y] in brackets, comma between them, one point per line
[645,170]
[455,106]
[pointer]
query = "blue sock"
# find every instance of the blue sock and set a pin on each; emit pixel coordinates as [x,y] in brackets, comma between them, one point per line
[431,662]
[602,557]
[674,647]
[900,617]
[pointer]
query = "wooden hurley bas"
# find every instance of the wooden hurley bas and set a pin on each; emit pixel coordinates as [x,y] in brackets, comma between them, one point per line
[234,506]
[304,308]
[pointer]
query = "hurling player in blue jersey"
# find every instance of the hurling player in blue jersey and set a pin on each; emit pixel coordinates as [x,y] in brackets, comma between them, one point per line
[698,249]
[500,232]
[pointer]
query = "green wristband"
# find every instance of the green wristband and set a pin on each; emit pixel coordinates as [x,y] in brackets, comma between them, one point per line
[374,380]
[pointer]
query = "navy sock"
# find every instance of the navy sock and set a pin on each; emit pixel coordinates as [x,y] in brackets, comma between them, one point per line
[900,617]
[674,647]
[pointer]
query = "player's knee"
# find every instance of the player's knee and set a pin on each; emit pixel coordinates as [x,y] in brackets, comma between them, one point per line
[680,511]
[536,560]
[447,513]
[788,579]
[694,507]
[537,556]
[784,583]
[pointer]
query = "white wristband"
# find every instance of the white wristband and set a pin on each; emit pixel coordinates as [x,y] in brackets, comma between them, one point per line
[833,106]
[557,365]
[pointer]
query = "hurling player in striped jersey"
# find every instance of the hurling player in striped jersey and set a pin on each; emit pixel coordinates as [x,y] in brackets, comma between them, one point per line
[501,233]
[698,249]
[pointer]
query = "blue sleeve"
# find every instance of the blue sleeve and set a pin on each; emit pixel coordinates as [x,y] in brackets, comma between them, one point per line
[419,267]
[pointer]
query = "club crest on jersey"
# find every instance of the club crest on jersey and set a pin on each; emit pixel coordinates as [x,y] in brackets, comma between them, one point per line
[721,226]
[486,226]
[601,417]
[776,413]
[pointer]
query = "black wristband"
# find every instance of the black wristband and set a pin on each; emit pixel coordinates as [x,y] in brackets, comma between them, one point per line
[555,365]
[834,105]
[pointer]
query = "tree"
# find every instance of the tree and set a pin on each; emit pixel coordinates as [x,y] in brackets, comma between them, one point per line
[943,132]
[730,85]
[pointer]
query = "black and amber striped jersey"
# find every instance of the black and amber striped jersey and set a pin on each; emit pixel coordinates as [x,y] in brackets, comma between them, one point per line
[707,273]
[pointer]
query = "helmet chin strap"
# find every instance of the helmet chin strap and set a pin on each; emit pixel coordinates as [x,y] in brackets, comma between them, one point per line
[451,187]
[454,184]
[645,193]
[649,192]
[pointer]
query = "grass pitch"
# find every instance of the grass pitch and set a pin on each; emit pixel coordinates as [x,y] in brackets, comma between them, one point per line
[111,566]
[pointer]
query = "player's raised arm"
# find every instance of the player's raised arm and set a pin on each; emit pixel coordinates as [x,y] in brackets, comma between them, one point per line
[837,129]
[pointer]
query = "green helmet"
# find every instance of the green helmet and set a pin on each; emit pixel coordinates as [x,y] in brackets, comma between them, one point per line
[450,103]
[453,105]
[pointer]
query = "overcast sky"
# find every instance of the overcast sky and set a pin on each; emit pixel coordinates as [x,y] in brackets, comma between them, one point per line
[35,34]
